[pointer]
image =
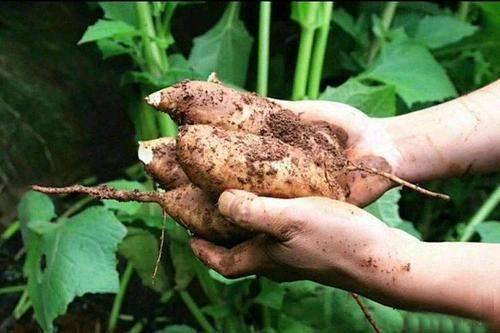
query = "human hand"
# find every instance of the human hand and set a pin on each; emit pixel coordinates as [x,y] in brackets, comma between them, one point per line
[312,238]
[367,143]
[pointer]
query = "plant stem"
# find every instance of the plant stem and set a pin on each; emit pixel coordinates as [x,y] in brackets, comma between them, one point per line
[137,328]
[481,214]
[463,10]
[117,304]
[196,311]
[10,231]
[22,305]
[319,52]
[12,289]
[263,61]
[208,285]
[76,206]
[303,60]
[387,16]
[151,49]
[166,125]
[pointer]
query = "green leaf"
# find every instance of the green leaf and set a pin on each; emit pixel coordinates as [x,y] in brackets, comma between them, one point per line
[224,280]
[291,325]
[107,29]
[35,206]
[489,232]
[217,312]
[79,257]
[224,49]
[184,262]
[413,71]
[110,48]
[128,208]
[434,322]
[379,101]
[271,294]
[177,329]
[140,247]
[441,30]
[120,11]
[346,22]
[386,208]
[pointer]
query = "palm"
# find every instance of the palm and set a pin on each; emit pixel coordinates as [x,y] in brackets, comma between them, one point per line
[368,143]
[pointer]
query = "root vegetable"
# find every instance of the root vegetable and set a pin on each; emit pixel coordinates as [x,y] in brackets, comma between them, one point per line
[187,204]
[216,160]
[158,157]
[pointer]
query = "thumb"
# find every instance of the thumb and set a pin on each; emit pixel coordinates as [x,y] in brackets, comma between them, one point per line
[259,214]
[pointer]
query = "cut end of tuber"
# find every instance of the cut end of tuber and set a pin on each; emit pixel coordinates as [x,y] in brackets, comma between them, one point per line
[154,99]
[145,153]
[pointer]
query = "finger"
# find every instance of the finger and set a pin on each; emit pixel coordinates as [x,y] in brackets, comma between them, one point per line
[260,214]
[244,259]
[195,210]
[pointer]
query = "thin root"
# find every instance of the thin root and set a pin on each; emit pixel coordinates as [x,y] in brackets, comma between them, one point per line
[366,312]
[103,192]
[396,179]
[160,251]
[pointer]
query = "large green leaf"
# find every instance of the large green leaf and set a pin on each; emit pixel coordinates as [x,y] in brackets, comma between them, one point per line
[379,101]
[224,49]
[35,206]
[489,231]
[107,29]
[71,258]
[120,11]
[441,30]
[140,247]
[386,208]
[413,71]
[183,260]
[434,322]
[271,294]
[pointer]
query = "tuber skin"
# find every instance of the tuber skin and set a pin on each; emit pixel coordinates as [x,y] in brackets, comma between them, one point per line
[187,204]
[216,160]
[158,158]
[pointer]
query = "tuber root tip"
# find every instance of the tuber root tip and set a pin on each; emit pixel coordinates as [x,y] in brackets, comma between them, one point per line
[145,153]
[154,99]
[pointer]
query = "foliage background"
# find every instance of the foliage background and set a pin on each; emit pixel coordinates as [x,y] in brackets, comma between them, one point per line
[72,81]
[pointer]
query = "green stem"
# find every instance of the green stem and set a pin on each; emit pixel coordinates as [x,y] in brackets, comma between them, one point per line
[151,49]
[387,16]
[137,328]
[22,305]
[76,206]
[481,214]
[166,125]
[303,60]
[196,311]
[10,231]
[208,285]
[463,10]
[12,289]
[263,61]
[117,304]
[319,52]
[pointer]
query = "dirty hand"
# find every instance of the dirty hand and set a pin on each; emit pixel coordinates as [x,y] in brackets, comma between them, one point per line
[313,238]
[367,143]
[340,245]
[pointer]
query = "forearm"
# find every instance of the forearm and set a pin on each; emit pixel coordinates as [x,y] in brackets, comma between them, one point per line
[456,278]
[451,139]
